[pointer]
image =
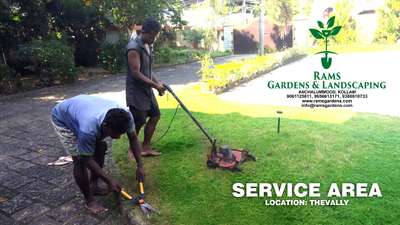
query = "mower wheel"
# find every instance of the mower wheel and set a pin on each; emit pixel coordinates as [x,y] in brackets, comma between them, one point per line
[251,157]
[211,164]
[236,169]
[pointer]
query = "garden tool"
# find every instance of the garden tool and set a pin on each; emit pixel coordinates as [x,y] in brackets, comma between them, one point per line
[224,157]
[146,208]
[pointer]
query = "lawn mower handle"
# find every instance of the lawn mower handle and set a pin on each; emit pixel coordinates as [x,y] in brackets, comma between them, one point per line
[212,140]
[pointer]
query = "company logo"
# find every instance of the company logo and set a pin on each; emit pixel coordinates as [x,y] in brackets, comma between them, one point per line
[324,34]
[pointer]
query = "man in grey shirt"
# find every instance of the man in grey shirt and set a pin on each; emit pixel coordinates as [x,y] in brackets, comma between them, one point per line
[140,81]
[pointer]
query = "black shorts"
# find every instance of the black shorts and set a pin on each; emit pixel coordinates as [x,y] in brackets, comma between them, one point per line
[140,116]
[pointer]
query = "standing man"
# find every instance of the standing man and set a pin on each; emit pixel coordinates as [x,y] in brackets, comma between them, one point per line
[83,123]
[140,81]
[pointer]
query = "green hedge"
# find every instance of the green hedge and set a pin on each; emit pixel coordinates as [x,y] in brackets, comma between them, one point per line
[168,56]
[54,60]
[223,76]
[39,63]
[112,56]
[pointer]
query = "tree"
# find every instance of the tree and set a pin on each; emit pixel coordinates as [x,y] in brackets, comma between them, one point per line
[20,22]
[389,22]
[83,26]
[282,13]
[194,36]
[126,13]
[348,34]
[223,7]
[305,7]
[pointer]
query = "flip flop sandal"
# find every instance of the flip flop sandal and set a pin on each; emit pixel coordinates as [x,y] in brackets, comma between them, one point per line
[61,161]
[96,214]
[66,158]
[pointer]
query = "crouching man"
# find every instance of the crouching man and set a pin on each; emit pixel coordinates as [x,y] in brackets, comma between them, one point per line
[85,126]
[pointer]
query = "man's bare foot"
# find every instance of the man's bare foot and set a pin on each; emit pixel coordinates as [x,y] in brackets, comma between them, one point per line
[148,151]
[95,207]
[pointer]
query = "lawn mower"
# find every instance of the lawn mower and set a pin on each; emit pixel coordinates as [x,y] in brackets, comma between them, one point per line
[222,157]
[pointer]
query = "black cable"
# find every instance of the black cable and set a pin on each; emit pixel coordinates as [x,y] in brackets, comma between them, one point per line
[169,125]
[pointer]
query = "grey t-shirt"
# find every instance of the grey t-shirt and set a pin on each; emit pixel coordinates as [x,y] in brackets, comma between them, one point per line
[139,94]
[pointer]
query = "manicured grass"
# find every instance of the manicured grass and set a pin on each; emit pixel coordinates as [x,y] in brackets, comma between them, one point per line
[322,146]
[175,56]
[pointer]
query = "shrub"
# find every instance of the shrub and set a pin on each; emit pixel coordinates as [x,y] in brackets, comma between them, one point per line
[55,61]
[164,55]
[112,56]
[194,37]
[207,65]
[222,76]
[348,33]
[25,63]
[389,22]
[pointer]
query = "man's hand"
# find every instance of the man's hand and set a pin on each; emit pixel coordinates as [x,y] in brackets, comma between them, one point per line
[161,89]
[113,185]
[140,174]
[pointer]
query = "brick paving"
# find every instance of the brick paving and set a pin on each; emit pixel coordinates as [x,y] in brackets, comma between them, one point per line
[32,192]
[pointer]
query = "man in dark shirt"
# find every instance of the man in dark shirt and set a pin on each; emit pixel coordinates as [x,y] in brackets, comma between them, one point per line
[140,81]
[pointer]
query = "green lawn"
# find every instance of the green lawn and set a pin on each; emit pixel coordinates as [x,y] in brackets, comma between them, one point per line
[314,146]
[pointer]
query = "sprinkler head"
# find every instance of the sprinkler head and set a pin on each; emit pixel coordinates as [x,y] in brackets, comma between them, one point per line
[279,121]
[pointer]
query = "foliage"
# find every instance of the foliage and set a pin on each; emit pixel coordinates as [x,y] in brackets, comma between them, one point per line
[55,60]
[305,7]
[171,56]
[348,33]
[7,79]
[224,75]
[194,36]
[167,37]
[83,25]
[389,22]
[21,21]
[223,7]
[214,54]
[128,12]
[281,12]
[206,68]
[112,56]
[210,35]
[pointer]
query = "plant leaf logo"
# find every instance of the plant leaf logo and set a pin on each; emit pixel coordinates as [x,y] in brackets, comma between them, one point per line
[324,34]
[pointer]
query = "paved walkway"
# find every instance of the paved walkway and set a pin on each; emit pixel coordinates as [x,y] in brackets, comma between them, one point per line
[32,192]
